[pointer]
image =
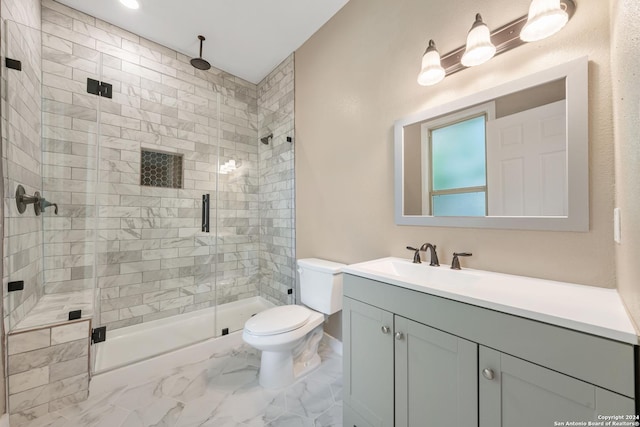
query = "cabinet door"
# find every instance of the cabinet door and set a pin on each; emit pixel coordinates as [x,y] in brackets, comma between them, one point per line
[368,362]
[514,392]
[436,377]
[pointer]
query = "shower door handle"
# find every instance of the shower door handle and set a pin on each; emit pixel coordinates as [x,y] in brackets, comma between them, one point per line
[205,213]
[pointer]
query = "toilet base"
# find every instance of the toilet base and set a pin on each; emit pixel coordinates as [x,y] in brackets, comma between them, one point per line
[276,369]
[281,368]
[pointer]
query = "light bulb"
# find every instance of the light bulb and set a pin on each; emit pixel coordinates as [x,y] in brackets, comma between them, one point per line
[546,17]
[431,71]
[479,47]
[131,4]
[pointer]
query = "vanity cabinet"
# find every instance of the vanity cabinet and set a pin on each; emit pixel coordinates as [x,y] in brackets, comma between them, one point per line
[412,359]
[369,377]
[514,392]
[435,372]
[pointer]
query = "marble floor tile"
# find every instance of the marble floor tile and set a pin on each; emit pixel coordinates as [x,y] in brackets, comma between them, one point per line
[291,420]
[331,418]
[221,391]
[309,398]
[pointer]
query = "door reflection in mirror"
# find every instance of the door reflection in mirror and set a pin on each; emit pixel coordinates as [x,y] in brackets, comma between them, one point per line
[506,157]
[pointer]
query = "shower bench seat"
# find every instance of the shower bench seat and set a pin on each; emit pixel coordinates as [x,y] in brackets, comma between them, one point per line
[48,356]
[55,308]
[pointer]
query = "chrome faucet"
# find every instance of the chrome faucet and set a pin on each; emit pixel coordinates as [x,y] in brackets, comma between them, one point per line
[434,256]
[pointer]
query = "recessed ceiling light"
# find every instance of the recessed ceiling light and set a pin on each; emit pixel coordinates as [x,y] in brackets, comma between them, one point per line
[131,4]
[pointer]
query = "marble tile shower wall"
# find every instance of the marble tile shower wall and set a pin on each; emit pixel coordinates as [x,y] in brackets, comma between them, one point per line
[48,370]
[151,257]
[21,159]
[277,227]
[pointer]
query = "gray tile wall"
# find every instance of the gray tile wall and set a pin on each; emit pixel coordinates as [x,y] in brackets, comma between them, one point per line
[276,166]
[48,369]
[151,259]
[144,244]
[21,159]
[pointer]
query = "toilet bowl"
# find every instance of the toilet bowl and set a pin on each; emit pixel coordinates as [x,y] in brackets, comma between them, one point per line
[289,335]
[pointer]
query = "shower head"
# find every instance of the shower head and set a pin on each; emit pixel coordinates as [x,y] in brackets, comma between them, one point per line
[265,140]
[200,63]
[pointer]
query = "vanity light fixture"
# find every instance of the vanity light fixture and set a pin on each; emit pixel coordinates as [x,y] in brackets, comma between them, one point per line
[479,47]
[545,18]
[131,4]
[432,71]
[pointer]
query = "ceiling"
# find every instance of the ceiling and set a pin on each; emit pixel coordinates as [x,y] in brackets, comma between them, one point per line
[247,38]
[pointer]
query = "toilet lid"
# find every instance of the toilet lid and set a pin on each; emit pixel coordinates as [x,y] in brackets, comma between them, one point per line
[278,320]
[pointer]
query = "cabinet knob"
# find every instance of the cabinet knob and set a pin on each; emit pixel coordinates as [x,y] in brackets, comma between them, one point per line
[399,336]
[385,329]
[488,373]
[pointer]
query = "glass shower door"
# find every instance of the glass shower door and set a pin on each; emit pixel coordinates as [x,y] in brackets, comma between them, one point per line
[155,211]
[21,135]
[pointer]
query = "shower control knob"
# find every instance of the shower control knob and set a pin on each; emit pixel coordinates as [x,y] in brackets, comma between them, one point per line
[488,373]
[399,336]
[385,330]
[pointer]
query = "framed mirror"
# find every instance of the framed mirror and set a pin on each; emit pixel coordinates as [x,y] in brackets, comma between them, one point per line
[514,157]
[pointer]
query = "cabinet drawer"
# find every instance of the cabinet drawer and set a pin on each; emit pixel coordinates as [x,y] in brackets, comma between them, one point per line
[606,363]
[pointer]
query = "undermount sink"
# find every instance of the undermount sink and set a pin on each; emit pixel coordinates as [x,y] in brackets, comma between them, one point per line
[586,308]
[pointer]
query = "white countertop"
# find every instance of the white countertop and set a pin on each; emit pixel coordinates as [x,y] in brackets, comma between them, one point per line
[596,311]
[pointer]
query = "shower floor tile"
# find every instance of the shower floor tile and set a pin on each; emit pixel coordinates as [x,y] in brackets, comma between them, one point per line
[220,391]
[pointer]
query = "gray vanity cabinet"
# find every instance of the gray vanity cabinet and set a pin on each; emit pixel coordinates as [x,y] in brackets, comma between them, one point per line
[514,392]
[368,364]
[435,380]
[435,372]
[413,359]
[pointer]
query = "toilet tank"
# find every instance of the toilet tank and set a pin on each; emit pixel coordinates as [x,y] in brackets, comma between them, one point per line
[321,284]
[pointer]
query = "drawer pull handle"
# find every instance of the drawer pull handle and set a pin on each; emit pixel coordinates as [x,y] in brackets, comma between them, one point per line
[385,330]
[488,374]
[399,336]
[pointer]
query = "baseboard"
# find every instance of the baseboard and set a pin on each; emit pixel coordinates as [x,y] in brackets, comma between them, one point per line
[4,420]
[334,343]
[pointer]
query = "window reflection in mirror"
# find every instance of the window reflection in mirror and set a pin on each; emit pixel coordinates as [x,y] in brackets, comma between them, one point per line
[506,157]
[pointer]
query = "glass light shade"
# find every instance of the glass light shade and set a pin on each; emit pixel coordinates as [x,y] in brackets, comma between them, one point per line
[131,4]
[479,47]
[431,71]
[546,18]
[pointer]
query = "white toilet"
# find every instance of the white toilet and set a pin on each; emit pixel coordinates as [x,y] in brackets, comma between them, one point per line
[289,335]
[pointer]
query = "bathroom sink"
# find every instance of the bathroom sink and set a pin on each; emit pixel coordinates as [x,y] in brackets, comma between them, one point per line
[587,308]
[421,273]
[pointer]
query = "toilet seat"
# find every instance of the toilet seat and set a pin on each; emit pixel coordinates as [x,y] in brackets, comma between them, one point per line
[278,320]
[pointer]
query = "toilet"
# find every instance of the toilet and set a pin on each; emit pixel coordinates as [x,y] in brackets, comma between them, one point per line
[288,335]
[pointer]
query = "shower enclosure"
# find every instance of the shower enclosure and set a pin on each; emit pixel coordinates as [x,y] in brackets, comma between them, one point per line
[170,210]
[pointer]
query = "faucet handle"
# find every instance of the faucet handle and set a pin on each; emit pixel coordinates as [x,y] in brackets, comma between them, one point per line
[455,264]
[416,254]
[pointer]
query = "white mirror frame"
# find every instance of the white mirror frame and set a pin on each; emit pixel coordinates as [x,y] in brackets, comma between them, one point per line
[576,74]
